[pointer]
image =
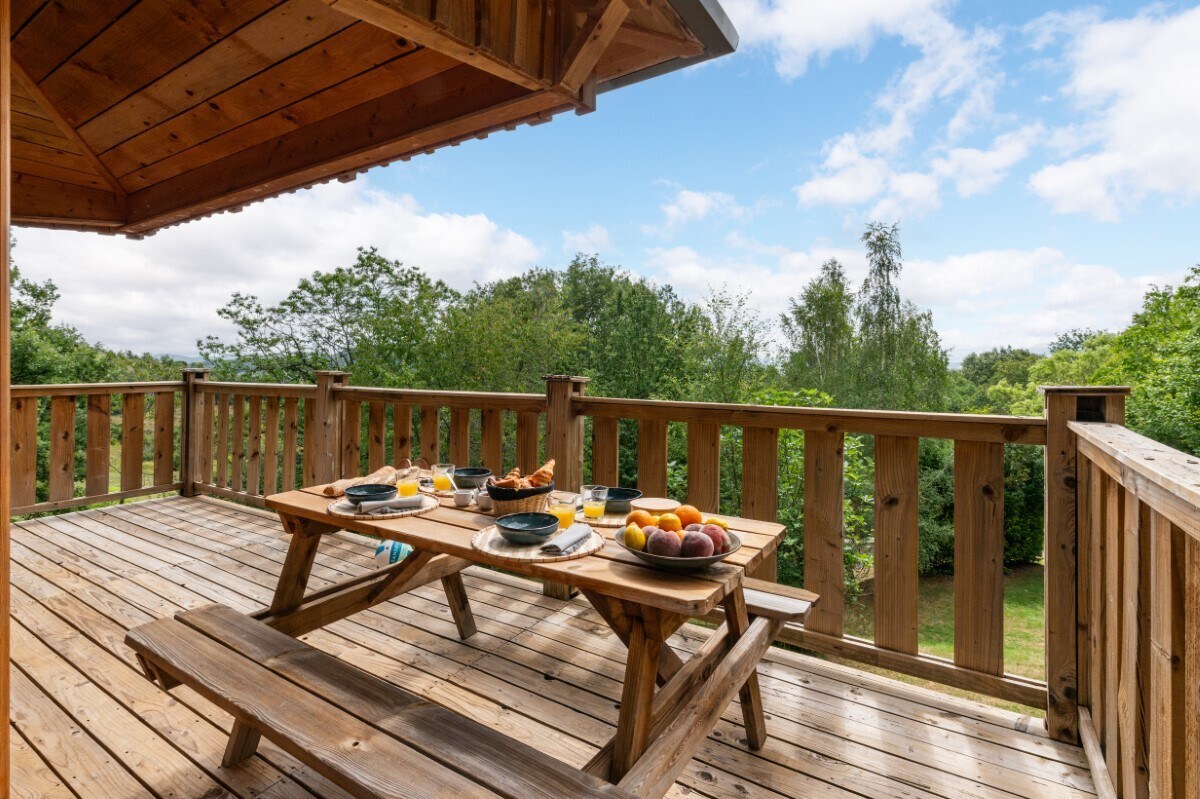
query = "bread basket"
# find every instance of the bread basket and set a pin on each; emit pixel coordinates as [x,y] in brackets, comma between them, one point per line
[519,500]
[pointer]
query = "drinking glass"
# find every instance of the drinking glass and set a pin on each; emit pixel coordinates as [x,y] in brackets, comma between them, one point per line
[443,477]
[565,511]
[408,487]
[594,499]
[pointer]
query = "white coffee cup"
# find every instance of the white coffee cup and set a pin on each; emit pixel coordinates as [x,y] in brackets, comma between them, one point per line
[464,497]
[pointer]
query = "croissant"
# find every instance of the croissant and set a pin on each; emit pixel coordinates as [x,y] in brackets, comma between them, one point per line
[543,476]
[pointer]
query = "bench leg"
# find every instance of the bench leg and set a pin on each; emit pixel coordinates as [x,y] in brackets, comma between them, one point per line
[460,606]
[243,742]
[752,707]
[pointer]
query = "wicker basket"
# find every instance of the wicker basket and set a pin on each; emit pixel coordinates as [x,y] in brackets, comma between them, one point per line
[525,500]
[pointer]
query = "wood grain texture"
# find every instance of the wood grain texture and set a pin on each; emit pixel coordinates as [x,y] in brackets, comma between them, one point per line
[1061,573]
[564,430]
[351,437]
[606,452]
[291,429]
[271,447]
[401,433]
[637,694]
[760,473]
[376,436]
[491,439]
[1168,700]
[1097,662]
[704,465]
[237,443]
[824,530]
[62,448]
[528,441]
[164,437]
[460,436]
[99,439]
[430,433]
[652,457]
[979,556]
[23,432]
[1133,698]
[7,439]
[222,404]
[1113,599]
[896,543]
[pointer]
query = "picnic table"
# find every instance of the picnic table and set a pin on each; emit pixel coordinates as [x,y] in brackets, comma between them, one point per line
[658,731]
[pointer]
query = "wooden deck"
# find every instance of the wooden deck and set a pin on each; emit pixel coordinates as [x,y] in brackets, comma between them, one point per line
[87,724]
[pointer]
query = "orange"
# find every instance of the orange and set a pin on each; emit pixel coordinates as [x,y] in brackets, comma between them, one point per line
[669,521]
[718,522]
[640,517]
[689,514]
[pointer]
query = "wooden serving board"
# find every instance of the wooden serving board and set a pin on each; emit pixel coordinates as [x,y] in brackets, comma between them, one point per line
[490,541]
[428,505]
[607,520]
[655,506]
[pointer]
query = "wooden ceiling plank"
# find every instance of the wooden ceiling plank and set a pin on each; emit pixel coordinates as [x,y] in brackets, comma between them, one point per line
[590,42]
[40,200]
[364,87]
[661,44]
[22,11]
[346,54]
[118,63]
[32,151]
[443,107]
[57,172]
[58,30]
[401,19]
[263,42]
[67,130]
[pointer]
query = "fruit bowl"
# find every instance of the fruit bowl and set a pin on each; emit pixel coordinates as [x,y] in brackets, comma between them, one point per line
[681,565]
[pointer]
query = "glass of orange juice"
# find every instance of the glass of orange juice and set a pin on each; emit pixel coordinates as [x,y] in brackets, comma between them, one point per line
[594,499]
[443,477]
[565,511]
[408,487]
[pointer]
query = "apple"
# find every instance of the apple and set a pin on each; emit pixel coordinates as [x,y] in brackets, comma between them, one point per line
[695,545]
[662,542]
[720,539]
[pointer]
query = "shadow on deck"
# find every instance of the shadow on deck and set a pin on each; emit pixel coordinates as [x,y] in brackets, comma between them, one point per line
[87,724]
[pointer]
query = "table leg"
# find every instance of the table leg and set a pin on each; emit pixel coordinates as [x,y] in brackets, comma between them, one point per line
[617,615]
[633,722]
[297,566]
[460,605]
[738,621]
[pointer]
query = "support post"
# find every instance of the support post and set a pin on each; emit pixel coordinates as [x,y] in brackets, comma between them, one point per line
[189,435]
[1065,625]
[564,443]
[5,373]
[327,422]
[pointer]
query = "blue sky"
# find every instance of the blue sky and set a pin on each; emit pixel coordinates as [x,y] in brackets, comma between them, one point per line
[1041,160]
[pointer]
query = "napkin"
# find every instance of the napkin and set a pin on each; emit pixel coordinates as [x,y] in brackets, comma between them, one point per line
[384,506]
[568,539]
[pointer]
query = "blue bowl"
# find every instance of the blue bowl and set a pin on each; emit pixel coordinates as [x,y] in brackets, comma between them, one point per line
[471,476]
[619,500]
[527,528]
[370,492]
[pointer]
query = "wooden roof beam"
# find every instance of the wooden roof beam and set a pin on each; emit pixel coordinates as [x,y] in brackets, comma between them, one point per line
[599,29]
[45,201]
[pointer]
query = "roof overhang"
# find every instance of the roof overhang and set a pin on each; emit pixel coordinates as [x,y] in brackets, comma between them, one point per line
[134,115]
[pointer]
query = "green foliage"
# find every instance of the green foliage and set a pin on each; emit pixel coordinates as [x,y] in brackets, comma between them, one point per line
[872,349]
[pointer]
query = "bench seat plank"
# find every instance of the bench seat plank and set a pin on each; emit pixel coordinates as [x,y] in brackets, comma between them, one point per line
[777,601]
[371,738]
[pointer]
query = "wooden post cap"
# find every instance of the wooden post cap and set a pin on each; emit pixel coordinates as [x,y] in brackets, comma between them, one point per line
[566,379]
[1087,391]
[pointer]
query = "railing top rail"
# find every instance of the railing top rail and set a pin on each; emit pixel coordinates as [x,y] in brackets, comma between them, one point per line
[260,389]
[92,389]
[1165,478]
[535,403]
[958,426]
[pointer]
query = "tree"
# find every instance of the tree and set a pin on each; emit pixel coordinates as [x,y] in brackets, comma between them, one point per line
[725,362]
[376,318]
[819,327]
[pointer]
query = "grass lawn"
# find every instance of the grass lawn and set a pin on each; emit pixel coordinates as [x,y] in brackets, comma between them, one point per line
[1024,636]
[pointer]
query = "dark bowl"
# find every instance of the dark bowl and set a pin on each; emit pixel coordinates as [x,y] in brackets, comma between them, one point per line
[471,476]
[370,492]
[619,499]
[504,494]
[680,565]
[527,528]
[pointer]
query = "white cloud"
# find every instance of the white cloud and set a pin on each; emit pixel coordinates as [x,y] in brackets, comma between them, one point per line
[692,206]
[1135,81]
[161,294]
[975,171]
[593,240]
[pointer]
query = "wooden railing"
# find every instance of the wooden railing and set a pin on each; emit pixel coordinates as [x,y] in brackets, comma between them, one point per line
[244,441]
[62,443]
[1139,612]
[978,662]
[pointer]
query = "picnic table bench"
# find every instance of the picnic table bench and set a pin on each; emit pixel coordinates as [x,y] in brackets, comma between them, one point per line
[362,733]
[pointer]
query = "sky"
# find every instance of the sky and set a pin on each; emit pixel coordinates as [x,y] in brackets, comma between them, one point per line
[1041,159]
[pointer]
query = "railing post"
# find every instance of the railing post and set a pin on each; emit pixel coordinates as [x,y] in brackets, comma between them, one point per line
[189,433]
[564,443]
[1066,584]
[564,430]
[327,422]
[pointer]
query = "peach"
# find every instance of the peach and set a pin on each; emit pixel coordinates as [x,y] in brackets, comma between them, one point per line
[695,545]
[720,539]
[662,542]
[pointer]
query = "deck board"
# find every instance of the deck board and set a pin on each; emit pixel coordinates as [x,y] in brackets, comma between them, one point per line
[539,669]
